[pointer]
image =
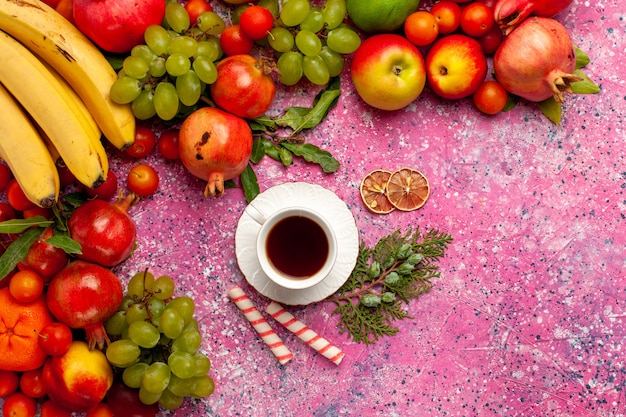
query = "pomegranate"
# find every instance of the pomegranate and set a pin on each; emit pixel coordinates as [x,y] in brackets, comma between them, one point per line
[104,230]
[244,86]
[79,379]
[44,258]
[215,146]
[117,25]
[82,296]
[510,13]
[536,60]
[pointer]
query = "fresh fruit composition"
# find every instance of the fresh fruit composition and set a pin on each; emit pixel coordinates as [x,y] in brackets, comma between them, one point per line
[194,83]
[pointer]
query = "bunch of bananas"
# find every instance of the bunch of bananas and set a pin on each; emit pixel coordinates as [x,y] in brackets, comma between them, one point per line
[54,101]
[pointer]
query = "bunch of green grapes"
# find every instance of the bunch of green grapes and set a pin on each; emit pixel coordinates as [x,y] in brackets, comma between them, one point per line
[173,67]
[311,41]
[155,340]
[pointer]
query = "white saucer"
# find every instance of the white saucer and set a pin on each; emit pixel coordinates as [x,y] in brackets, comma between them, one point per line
[302,194]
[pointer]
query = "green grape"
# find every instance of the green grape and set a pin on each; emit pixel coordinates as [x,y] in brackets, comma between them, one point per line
[136,312]
[177,64]
[343,40]
[188,88]
[173,34]
[184,45]
[133,374]
[314,21]
[271,5]
[334,13]
[157,67]
[204,386]
[156,377]
[211,23]
[143,334]
[181,386]
[116,324]
[202,364]
[294,12]
[165,100]
[182,364]
[315,70]
[280,39]
[170,401]
[140,284]
[308,43]
[164,287]
[290,66]
[209,50]
[143,51]
[143,105]
[157,39]
[191,325]
[188,341]
[333,61]
[127,301]
[205,69]
[123,353]
[177,17]
[125,89]
[184,305]
[236,14]
[147,397]
[155,307]
[171,323]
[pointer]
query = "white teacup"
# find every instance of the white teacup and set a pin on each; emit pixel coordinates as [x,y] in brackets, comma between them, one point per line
[296,246]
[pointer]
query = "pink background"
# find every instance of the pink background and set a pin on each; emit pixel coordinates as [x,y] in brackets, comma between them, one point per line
[528,317]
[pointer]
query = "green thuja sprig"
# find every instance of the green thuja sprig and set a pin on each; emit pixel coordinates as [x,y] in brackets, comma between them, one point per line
[385,279]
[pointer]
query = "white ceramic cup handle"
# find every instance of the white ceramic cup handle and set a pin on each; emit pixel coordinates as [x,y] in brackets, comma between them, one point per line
[256,214]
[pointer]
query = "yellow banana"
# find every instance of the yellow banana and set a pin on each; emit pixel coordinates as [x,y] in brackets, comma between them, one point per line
[74,100]
[48,103]
[76,58]
[25,153]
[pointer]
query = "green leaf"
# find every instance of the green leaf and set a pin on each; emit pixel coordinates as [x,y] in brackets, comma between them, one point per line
[312,153]
[258,151]
[262,124]
[16,226]
[249,183]
[69,245]
[582,59]
[586,86]
[17,251]
[300,118]
[551,109]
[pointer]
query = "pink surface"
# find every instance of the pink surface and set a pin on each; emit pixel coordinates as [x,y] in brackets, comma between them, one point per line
[528,316]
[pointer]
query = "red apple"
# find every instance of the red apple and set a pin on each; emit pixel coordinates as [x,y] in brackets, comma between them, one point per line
[455,66]
[117,25]
[388,71]
[79,379]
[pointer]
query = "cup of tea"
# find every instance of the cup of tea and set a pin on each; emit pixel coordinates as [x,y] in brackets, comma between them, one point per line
[296,246]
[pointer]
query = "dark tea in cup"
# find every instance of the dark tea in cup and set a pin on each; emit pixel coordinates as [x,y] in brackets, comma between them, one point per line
[297,246]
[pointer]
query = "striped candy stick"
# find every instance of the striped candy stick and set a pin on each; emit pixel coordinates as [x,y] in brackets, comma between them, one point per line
[308,336]
[262,327]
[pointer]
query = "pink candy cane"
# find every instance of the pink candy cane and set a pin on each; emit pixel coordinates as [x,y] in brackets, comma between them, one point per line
[269,336]
[310,337]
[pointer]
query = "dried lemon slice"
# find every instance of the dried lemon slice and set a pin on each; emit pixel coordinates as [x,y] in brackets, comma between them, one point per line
[407,189]
[373,191]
